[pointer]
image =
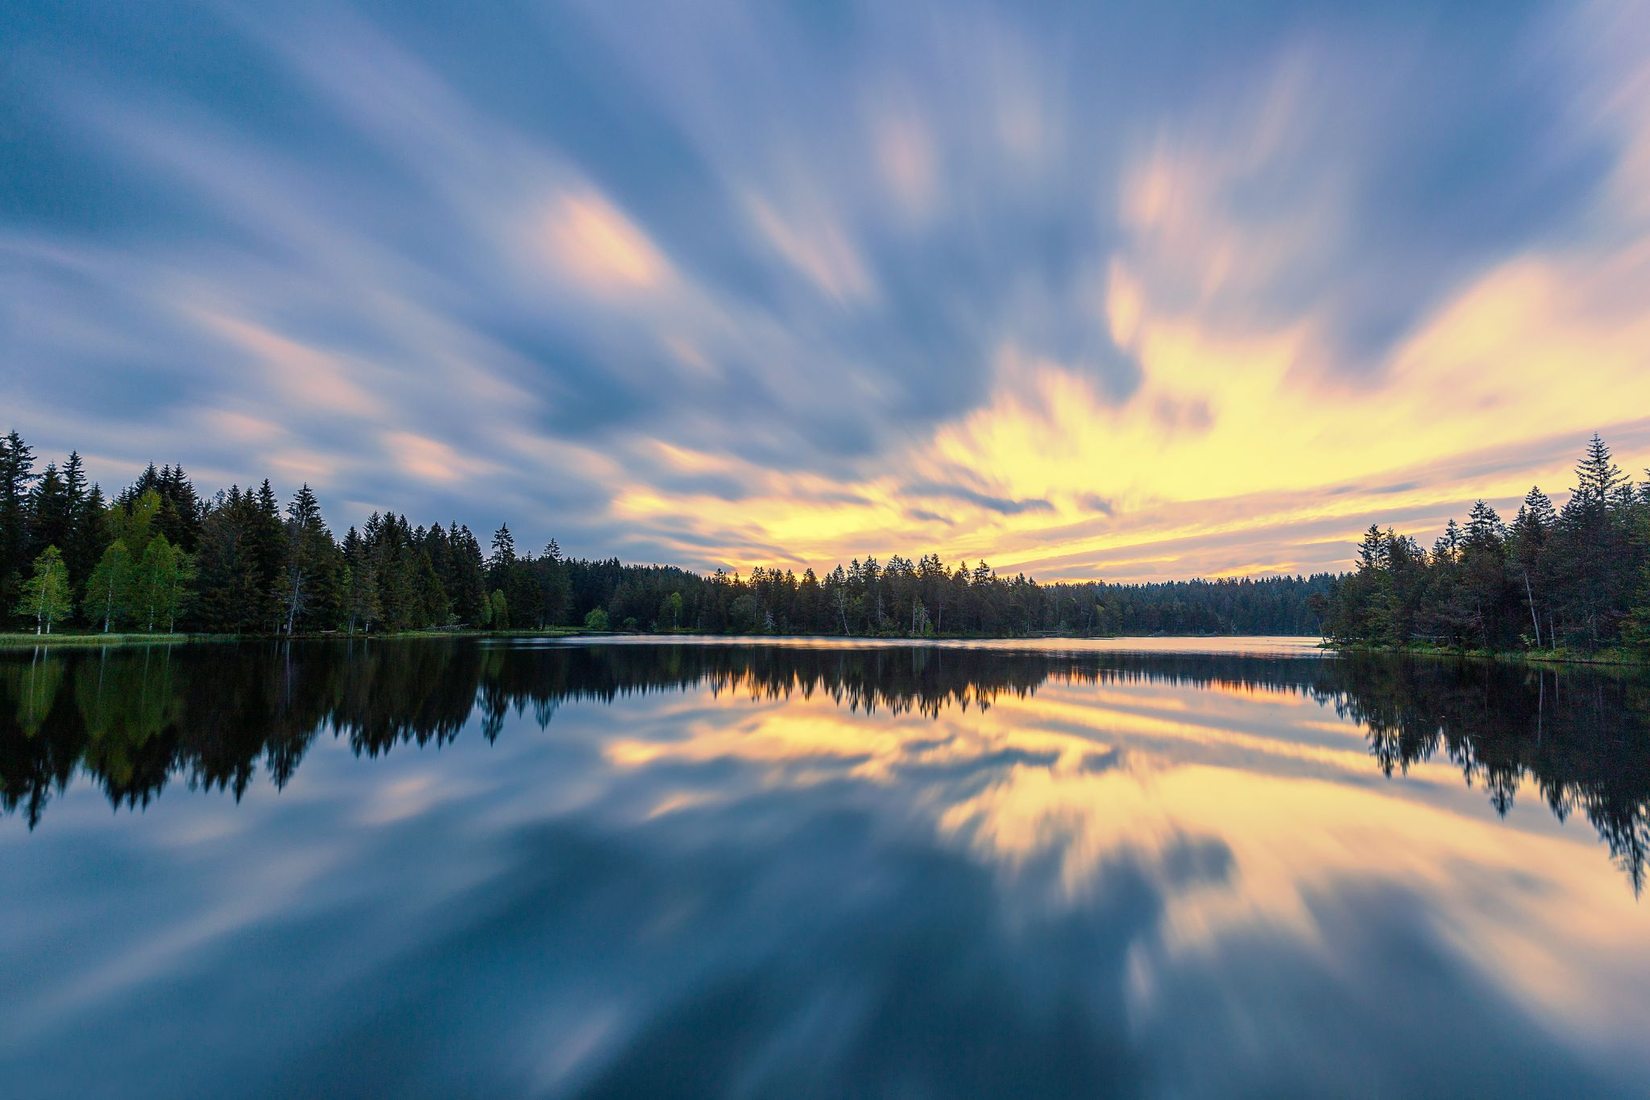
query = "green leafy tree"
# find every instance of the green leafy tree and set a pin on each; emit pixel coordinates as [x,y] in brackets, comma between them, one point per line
[46,597]
[597,619]
[500,610]
[109,589]
[158,589]
[133,521]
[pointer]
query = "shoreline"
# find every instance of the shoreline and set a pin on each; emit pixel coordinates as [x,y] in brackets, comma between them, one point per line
[1611,658]
[29,640]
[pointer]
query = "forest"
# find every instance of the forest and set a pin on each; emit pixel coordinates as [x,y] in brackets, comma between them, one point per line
[1571,579]
[158,556]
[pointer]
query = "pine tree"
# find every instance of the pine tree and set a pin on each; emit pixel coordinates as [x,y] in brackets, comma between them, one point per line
[1484,527]
[1591,540]
[503,557]
[231,591]
[180,514]
[16,475]
[468,589]
[1598,478]
[1372,551]
[363,606]
[1530,533]
[310,569]
[88,540]
[266,537]
[49,513]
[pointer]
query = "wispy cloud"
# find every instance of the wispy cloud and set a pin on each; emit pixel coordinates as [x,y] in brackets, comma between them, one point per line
[1132,293]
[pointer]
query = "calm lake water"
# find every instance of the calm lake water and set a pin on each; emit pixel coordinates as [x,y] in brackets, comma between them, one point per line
[471,868]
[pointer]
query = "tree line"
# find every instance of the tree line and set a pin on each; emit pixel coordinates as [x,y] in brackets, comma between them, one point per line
[160,557]
[1573,578]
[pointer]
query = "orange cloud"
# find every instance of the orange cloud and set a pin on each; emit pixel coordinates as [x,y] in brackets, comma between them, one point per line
[603,250]
[430,459]
[308,375]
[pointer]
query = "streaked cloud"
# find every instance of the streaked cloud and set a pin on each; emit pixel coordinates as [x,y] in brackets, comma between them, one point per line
[599,246]
[1088,291]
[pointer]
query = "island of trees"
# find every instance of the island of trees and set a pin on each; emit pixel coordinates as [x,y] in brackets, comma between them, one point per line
[1572,580]
[159,556]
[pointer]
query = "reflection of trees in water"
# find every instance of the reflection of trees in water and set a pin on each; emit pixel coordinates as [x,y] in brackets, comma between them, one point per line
[1582,737]
[209,716]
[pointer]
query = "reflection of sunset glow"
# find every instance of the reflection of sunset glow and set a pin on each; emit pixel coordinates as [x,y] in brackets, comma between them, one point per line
[1082,777]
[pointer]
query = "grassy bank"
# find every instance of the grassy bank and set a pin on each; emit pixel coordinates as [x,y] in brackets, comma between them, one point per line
[1616,657]
[68,639]
[71,639]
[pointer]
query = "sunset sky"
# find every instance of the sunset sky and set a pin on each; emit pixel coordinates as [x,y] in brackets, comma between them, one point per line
[1105,290]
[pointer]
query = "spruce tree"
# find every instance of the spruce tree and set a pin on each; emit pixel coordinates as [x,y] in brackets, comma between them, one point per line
[267,536]
[16,475]
[309,582]
[1528,546]
[1598,478]
[503,557]
[50,517]
[88,539]
[230,598]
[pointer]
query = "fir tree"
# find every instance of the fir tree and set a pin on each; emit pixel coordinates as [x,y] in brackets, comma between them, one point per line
[50,515]
[16,476]
[310,569]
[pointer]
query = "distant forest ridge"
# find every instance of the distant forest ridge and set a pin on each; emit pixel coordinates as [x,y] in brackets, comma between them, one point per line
[161,557]
[1575,578]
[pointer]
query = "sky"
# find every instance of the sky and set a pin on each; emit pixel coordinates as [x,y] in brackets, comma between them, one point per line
[1127,291]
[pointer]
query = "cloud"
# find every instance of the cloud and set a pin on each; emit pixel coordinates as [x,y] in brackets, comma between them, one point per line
[599,246]
[1003,505]
[1134,292]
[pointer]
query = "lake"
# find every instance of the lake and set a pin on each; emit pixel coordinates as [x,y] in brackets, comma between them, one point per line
[1162,868]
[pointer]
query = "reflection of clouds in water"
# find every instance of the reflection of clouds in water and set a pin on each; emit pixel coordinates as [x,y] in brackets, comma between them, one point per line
[1181,879]
[1275,826]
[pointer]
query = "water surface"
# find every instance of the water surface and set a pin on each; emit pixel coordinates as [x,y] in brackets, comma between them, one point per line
[438,868]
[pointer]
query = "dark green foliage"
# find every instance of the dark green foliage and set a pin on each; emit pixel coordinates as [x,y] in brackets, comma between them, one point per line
[311,591]
[181,512]
[239,563]
[1572,578]
[16,475]
[232,590]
